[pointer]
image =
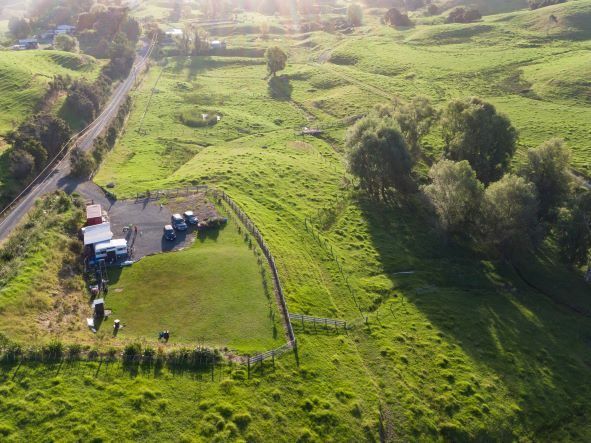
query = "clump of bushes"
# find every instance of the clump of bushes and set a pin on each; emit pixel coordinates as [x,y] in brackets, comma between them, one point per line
[462,15]
[537,4]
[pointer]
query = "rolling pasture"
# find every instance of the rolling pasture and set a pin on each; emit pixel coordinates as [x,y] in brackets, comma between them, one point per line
[446,344]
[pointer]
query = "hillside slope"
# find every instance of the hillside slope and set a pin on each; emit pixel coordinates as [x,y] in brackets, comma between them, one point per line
[24,76]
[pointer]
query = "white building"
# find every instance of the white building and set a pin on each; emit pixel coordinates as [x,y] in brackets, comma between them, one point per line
[112,250]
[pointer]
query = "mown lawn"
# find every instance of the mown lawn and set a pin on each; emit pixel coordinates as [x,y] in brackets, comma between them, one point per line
[211,293]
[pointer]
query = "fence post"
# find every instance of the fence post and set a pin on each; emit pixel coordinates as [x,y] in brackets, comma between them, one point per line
[273,357]
[248,363]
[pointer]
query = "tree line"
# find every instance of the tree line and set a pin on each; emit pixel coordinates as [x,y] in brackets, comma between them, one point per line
[37,141]
[473,190]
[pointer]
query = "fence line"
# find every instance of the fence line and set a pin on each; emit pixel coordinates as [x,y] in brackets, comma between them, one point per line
[174,192]
[318,320]
[279,290]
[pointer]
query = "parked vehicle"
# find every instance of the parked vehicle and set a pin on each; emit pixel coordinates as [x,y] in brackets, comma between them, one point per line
[178,222]
[169,233]
[191,218]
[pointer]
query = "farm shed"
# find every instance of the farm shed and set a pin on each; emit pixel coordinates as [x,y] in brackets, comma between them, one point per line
[97,234]
[112,250]
[94,215]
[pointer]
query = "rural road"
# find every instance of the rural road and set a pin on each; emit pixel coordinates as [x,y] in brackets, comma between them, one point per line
[59,174]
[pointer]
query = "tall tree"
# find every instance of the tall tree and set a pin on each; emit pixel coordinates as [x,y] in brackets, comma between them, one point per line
[415,119]
[354,14]
[276,59]
[509,214]
[455,193]
[474,131]
[573,230]
[547,167]
[65,42]
[379,156]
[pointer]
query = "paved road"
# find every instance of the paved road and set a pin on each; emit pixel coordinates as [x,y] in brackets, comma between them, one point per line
[59,177]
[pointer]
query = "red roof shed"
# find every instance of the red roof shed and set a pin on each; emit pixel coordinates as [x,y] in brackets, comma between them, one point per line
[94,215]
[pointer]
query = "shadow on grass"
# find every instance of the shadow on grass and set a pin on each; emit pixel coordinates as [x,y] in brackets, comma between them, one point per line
[280,88]
[485,309]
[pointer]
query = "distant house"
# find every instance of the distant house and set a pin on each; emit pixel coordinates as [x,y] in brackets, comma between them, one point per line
[174,32]
[46,37]
[28,43]
[65,29]
[217,44]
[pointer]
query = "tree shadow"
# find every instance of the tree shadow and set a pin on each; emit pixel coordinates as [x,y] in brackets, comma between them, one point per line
[280,88]
[194,65]
[486,310]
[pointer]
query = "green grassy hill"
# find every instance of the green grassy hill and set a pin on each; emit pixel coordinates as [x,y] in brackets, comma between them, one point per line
[24,76]
[446,344]
[486,7]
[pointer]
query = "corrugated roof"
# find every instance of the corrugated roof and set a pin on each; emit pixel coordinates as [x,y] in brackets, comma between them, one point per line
[97,233]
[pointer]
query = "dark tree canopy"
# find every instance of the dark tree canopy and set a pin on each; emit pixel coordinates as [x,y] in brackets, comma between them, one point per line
[394,17]
[461,15]
[19,27]
[355,15]
[536,4]
[509,214]
[455,193]
[276,59]
[547,167]
[415,119]
[474,131]
[573,230]
[379,156]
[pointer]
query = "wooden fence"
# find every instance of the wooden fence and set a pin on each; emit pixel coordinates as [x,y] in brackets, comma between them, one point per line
[259,358]
[279,290]
[318,321]
[175,192]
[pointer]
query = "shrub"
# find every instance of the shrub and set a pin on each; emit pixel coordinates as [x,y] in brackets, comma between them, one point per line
[536,4]
[242,419]
[461,15]
[132,351]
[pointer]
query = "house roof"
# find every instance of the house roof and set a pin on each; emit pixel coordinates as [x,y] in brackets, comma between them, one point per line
[93,211]
[97,233]
[115,243]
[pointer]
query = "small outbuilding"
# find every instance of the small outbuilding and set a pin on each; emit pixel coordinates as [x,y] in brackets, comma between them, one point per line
[217,44]
[94,215]
[97,234]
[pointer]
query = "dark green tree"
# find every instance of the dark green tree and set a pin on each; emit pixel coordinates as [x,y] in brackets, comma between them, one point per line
[509,214]
[573,229]
[456,194]
[474,131]
[379,157]
[276,59]
[82,163]
[547,167]
[354,14]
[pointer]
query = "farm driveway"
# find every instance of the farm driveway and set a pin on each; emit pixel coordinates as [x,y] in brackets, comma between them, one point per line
[148,216]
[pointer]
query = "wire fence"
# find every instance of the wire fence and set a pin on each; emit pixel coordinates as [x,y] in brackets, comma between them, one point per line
[169,193]
[302,318]
[247,222]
